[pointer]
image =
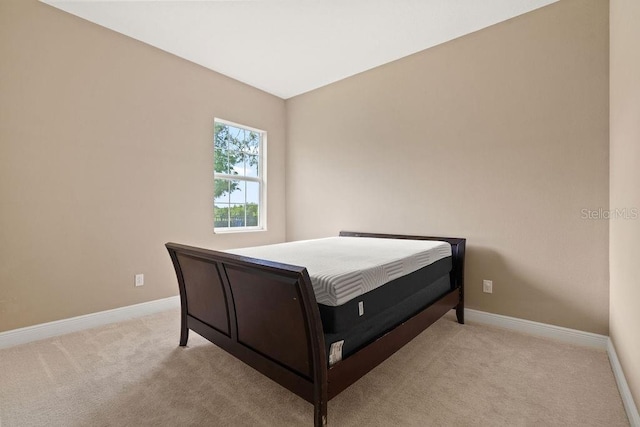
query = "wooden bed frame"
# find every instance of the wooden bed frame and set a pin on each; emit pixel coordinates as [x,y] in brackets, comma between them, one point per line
[265,314]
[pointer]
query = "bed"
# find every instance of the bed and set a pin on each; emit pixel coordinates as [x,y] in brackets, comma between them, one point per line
[317,334]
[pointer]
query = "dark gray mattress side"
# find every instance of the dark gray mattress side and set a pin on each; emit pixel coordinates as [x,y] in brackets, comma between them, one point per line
[347,316]
[368,331]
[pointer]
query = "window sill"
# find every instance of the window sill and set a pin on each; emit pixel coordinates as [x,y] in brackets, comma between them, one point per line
[239,230]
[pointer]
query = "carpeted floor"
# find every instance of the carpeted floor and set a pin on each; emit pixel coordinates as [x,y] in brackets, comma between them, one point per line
[134,374]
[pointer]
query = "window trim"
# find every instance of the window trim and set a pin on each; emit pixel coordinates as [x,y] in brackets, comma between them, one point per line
[261,179]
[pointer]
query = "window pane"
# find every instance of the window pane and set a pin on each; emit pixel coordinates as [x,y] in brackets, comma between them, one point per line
[238,193]
[236,162]
[237,216]
[253,192]
[251,163]
[253,144]
[236,138]
[220,136]
[252,215]
[221,191]
[221,161]
[221,215]
[253,203]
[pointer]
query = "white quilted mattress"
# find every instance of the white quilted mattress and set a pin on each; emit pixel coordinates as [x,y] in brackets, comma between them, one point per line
[342,268]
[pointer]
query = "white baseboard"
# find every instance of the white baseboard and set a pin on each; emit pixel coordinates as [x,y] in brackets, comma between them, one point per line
[74,324]
[623,387]
[571,336]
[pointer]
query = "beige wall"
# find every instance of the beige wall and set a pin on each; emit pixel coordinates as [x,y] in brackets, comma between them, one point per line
[106,155]
[500,137]
[624,251]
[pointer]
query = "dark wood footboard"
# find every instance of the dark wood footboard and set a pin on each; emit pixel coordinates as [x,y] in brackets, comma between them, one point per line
[262,312]
[265,314]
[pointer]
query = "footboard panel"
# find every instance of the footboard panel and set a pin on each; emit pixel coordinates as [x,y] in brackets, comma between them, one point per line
[270,318]
[207,302]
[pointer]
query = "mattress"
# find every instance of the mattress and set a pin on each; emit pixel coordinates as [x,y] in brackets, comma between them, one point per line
[344,268]
[349,341]
[336,319]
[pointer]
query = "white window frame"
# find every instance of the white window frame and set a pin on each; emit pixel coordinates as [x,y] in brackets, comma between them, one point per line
[261,179]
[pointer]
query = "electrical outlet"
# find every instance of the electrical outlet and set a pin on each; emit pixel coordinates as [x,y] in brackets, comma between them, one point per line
[139,279]
[487,286]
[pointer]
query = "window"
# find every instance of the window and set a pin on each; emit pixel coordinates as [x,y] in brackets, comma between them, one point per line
[239,177]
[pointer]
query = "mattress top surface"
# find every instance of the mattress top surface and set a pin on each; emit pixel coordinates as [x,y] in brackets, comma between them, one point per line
[343,268]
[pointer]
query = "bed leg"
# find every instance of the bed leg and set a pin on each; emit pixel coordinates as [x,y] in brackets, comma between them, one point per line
[460,313]
[320,413]
[184,337]
[460,307]
[184,331]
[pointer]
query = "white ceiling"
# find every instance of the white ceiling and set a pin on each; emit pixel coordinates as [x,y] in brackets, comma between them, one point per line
[288,47]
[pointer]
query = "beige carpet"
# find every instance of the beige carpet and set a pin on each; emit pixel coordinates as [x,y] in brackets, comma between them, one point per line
[134,373]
